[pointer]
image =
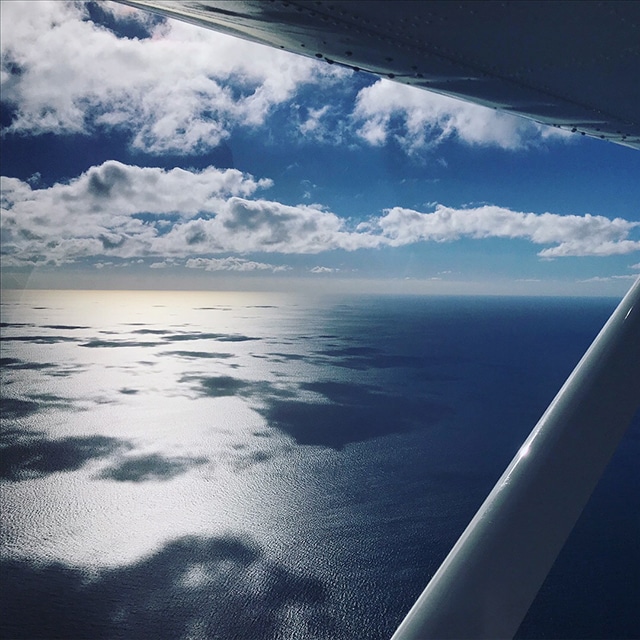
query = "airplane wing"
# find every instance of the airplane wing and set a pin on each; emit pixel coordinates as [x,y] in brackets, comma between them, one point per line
[571,64]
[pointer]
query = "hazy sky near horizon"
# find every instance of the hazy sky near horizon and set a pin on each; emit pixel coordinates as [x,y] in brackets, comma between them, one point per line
[143,152]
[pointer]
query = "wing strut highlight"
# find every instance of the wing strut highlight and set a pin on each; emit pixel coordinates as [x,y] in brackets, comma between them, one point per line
[486,584]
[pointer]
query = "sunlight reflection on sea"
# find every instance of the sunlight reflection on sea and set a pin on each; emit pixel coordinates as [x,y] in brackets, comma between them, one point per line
[257,464]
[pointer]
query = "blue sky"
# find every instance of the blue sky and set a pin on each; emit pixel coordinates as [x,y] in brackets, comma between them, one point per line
[145,153]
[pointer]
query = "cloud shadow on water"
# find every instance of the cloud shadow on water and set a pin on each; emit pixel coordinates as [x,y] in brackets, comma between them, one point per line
[219,386]
[39,339]
[68,327]
[35,456]
[49,368]
[350,413]
[96,344]
[149,468]
[16,363]
[9,325]
[218,587]
[284,357]
[220,337]
[152,332]
[345,413]
[226,386]
[194,355]
[13,408]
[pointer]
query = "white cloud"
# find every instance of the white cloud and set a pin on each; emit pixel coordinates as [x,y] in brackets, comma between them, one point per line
[232,264]
[419,119]
[320,269]
[313,122]
[591,247]
[635,266]
[103,211]
[247,226]
[182,90]
[573,235]
[124,211]
[127,212]
[609,278]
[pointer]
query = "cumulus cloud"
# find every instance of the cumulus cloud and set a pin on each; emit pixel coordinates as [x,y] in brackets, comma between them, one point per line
[127,212]
[419,119]
[181,90]
[110,210]
[572,235]
[124,211]
[320,269]
[245,226]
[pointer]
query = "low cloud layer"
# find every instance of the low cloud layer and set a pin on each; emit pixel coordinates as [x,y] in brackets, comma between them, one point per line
[193,218]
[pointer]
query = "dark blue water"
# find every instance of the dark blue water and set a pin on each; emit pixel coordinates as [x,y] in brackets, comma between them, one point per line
[264,466]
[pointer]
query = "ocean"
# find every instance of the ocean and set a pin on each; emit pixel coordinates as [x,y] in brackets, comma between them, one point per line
[269,466]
